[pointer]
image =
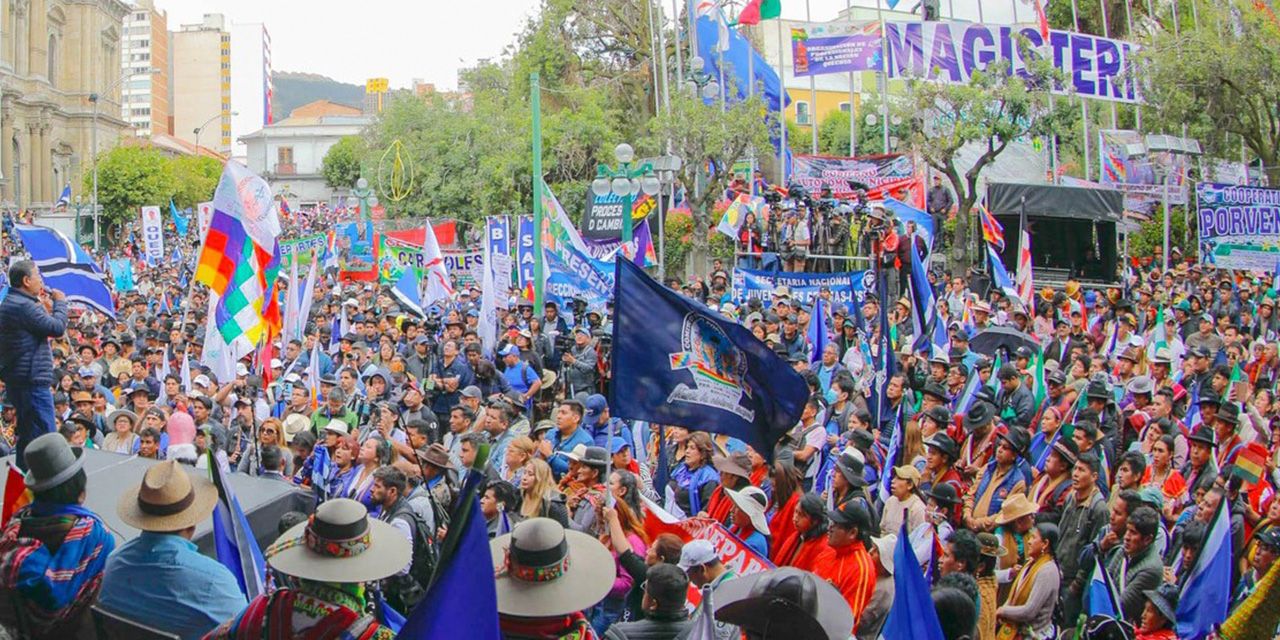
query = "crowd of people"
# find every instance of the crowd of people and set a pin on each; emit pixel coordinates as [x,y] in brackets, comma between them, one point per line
[1103,436]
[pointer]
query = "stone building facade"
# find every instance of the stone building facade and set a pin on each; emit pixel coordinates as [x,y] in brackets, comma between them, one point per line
[55,54]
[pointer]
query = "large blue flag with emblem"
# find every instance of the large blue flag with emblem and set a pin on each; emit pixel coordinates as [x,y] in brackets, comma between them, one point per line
[676,362]
[67,268]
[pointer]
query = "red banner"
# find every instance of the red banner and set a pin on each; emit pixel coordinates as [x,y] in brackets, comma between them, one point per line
[735,554]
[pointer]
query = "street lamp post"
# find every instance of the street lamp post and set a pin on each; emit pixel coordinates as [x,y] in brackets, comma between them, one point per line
[625,182]
[93,98]
[206,123]
[366,196]
[79,206]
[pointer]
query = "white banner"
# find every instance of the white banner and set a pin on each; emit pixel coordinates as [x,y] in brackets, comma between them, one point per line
[152,233]
[204,213]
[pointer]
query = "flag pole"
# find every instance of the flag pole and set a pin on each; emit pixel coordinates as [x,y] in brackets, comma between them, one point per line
[813,94]
[782,111]
[536,108]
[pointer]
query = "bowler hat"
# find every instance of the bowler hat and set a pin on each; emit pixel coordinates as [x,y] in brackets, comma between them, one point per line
[50,461]
[944,493]
[939,414]
[935,389]
[1017,438]
[943,443]
[979,416]
[1204,434]
[1098,390]
[1229,412]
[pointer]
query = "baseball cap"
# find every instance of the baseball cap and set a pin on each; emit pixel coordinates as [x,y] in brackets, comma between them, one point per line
[276,364]
[509,350]
[202,380]
[617,444]
[595,404]
[696,554]
[241,370]
[471,392]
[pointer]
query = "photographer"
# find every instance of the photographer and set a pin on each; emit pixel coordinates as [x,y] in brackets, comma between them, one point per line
[838,234]
[580,364]
[795,241]
[884,246]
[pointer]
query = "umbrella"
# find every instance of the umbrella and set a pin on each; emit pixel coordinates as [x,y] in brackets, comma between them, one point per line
[1008,338]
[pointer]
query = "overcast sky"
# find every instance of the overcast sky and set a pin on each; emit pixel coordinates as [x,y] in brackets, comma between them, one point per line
[407,39]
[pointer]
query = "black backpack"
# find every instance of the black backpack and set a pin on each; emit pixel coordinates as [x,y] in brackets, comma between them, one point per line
[404,591]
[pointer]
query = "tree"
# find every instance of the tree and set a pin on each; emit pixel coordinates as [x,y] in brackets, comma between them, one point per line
[129,177]
[992,110]
[701,135]
[341,164]
[194,179]
[1220,82]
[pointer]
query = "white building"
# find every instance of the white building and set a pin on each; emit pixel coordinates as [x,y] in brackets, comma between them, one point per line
[289,153]
[201,83]
[251,83]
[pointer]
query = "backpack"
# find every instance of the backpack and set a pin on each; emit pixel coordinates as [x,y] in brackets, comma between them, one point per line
[404,591]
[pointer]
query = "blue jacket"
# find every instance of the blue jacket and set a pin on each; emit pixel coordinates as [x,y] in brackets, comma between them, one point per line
[25,328]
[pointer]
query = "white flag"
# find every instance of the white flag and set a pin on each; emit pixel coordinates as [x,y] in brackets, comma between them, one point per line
[433,269]
[488,307]
[220,357]
[186,372]
[308,297]
[291,300]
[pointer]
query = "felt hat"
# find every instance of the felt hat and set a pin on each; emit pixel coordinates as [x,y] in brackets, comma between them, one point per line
[1229,412]
[169,498]
[1016,506]
[979,416]
[1204,434]
[944,492]
[936,390]
[939,414]
[852,467]
[990,546]
[943,443]
[1018,438]
[1165,600]
[799,602]
[737,463]
[1066,447]
[435,455]
[1097,390]
[340,543]
[51,461]
[548,571]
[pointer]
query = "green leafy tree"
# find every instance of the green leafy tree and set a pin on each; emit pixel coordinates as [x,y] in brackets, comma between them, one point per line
[991,111]
[195,178]
[341,164]
[701,134]
[1220,81]
[129,177]
[1149,240]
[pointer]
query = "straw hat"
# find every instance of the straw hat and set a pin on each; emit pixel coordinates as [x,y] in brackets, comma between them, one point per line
[340,543]
[549,571]
[169,498]
[294,424]
[754,503]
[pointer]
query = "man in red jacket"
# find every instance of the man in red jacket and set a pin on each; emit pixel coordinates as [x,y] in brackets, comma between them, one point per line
[850,568]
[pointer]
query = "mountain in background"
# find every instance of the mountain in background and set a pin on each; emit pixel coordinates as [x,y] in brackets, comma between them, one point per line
[292,90]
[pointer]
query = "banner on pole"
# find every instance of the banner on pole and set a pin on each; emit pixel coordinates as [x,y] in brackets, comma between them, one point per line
[498,236]
[1096,67]
[602,218]
[847,288]
[1125,164]
[835,172]
[204,213]
[153,233]
[836,47]
[1239,227]
[524,251]
[301,248]
[355,250]
[122,273]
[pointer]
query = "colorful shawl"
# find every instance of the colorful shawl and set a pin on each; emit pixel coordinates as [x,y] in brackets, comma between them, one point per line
[53,555]
[270,617]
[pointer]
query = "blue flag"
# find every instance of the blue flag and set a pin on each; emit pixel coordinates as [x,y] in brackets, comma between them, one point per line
[886,363]
[907,213]
[924,309]
[1103,599]
[462,600]
[1000,275]
[387,615]
[407,293]
[676,362]
[179,220]
[719,45]
[1207,591]
[817,331]
[67,268]
[233,539]
[912,614]
[64,200]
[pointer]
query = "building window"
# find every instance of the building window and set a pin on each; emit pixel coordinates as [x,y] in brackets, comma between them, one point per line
[802,113]
[53,60]
[844,106]
[141,15]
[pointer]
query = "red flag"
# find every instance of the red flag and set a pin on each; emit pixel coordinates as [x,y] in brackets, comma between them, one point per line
[16,495]
[1044,20]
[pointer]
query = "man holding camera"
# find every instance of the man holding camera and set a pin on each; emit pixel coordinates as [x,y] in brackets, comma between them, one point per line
[795,241]
[884,247]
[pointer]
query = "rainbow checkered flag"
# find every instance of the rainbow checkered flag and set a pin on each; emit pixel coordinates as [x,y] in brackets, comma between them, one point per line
[239,263]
